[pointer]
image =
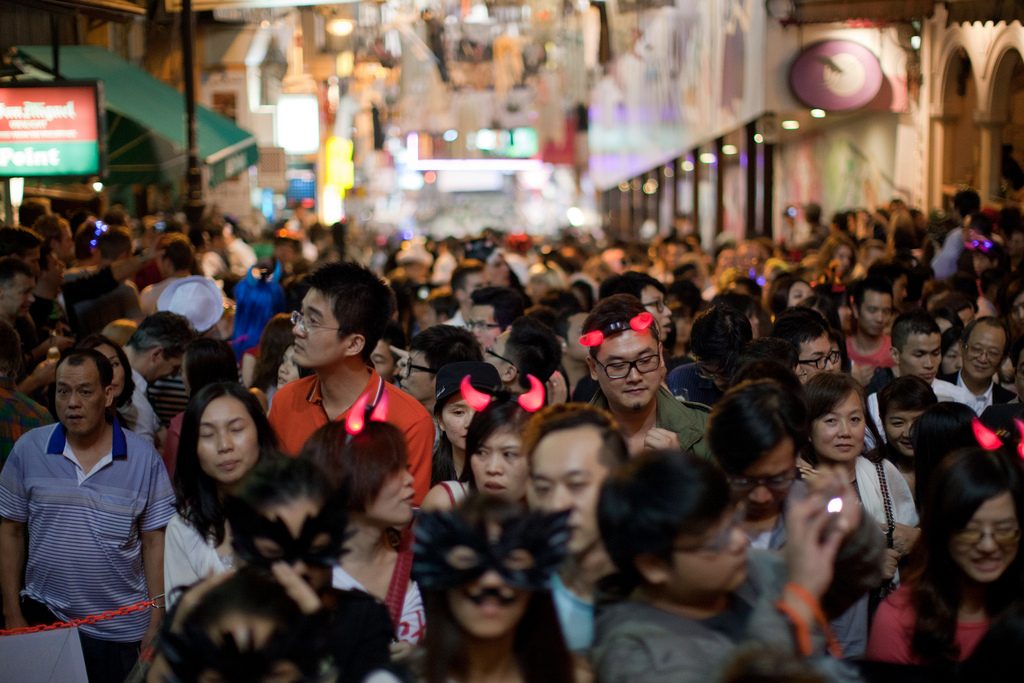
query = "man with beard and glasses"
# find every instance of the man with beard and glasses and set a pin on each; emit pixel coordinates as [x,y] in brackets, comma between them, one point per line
[626,361]
[96,498]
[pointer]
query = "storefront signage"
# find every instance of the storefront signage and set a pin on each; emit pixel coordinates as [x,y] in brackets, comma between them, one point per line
[836,75]
[51,130]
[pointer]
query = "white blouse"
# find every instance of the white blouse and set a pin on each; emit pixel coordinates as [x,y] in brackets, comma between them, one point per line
[188,557]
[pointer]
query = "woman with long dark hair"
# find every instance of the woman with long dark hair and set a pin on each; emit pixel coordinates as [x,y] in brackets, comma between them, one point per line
[224,434]
[941,429]
[967,567]
[372,467]
[496,466]
[484,570]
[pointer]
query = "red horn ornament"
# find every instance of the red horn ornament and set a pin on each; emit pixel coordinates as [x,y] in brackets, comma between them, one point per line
[641,321]
[985,437]
[592,338]
[532,400]
[380,411]
[1020,430]
[356,419]
[477,400]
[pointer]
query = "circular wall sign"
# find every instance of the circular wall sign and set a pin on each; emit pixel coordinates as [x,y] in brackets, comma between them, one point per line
[835,75]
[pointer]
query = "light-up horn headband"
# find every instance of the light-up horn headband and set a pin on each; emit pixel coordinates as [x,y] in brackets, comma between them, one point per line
[363,410]
[639,323]
[989,440]
[531,401]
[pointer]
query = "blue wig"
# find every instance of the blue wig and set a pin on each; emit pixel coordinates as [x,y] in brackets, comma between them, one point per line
[259,297]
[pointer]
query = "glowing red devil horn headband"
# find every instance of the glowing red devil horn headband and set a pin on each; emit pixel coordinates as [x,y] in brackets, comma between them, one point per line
[476,399]
[1020,430]
[356,419]
[638,323]
[532,400]
[985,437]
[380,411]
[641,321]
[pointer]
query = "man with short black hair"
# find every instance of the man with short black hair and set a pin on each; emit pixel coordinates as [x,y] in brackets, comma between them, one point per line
[983,344]
[493,310]
[808,332]
[916,351]
[121,302]
[527,347]
[176,258]
[650,291]
[572,447]
[429,351]
[467,277]
[626,361]
[718,335]
[97,499]
[343,316]
[869,347]
[154,351]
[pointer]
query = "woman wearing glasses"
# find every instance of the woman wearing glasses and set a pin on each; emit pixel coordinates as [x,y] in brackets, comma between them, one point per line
[965,570]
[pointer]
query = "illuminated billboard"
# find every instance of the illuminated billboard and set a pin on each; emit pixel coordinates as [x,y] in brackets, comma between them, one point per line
[51,129]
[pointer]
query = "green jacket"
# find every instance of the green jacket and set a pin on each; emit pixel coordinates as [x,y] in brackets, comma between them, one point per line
[688,420]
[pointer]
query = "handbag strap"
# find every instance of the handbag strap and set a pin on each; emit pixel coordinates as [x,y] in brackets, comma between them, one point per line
[395,599]
[890,521]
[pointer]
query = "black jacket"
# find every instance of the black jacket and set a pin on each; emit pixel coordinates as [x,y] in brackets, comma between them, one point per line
[999,394]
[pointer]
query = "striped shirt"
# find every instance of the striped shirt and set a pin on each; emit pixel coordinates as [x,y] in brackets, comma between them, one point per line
[84,542]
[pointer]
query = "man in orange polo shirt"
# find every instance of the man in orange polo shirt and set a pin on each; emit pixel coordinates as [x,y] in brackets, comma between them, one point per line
[343,316]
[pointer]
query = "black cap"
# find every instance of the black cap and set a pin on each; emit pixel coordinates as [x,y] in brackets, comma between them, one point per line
[482,376]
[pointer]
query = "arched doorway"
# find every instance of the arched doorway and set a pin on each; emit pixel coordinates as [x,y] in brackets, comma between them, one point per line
[1008,110]
[960,150]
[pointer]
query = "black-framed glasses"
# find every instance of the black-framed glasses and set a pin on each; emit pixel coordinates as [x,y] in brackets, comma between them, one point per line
[658,304]
[298,319]
[830,358]
[407,366]
[492,352]
[482,325]
[621,369]
[778,483]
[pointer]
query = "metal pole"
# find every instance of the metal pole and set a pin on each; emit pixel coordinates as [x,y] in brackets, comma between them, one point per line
[55,45]
[194,204]
[9,217]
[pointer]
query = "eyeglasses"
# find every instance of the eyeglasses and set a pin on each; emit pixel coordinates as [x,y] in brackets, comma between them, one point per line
[977,352]
[830,358]
[779,483]
[491,352]
[1004,536]
[658,305]
[482,325]
[406,367]
[621,369]
[299,320]
[721,539]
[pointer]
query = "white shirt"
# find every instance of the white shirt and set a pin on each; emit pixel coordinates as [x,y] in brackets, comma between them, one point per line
[945,392]
[413,621]
[977,402]
[188,557]
[456,320]
[140,416]
[241,257]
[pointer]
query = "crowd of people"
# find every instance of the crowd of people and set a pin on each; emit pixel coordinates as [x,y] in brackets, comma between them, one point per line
[516,459]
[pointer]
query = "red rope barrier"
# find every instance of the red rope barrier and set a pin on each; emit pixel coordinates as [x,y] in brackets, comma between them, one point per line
[109,614]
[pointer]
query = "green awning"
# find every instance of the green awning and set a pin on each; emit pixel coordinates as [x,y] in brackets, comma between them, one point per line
[146,140]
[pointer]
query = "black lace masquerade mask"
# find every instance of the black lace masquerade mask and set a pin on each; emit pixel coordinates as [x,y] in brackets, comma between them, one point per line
[451,553]
[320,542]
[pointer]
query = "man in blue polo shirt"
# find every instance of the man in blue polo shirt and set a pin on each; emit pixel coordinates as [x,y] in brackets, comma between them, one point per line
[93,500]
